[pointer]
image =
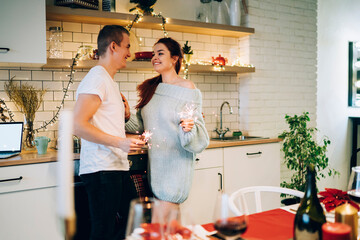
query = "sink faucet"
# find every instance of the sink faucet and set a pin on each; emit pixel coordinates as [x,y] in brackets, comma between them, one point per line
[222,131]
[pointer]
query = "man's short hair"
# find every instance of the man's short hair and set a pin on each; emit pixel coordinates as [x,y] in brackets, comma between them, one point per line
[107,35]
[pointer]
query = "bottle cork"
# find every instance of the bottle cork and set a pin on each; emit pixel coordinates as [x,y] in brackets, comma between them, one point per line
[349,215]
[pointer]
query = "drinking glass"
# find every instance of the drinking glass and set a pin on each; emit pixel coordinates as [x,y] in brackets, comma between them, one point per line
[145,220]
[230,225]
[178,225]
[354,185]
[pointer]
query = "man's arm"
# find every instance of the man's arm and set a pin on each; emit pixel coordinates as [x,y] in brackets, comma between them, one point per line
[85,108]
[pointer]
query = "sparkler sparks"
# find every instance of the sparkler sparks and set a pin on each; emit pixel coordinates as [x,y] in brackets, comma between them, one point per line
[188,112]
[146,135]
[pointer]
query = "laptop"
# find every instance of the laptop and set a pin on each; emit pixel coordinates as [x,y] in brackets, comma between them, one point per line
[10,139]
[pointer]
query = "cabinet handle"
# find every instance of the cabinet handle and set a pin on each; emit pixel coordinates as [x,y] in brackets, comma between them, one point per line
[4,50]
[255,153]
[197,159]
[11,179]
[221,185]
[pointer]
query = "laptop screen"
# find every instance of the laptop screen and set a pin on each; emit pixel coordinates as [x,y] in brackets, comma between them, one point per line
[11,136]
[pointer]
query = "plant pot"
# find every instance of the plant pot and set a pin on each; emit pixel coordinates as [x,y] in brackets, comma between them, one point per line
[290,201]
[187,58]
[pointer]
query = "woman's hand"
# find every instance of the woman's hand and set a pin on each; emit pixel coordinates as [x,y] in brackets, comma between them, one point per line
[187,124]
[127,107]
[130,144]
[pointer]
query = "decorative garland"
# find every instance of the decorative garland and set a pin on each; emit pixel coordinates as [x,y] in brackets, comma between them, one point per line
[5,108]
[65,90]
[138,18]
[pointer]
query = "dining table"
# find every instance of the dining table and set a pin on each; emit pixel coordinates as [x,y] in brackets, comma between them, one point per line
[275,224]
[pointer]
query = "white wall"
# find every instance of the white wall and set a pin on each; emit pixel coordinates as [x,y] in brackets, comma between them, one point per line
[283,51]
[338,23]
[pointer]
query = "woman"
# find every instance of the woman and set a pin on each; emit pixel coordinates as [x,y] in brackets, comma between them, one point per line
[175,139]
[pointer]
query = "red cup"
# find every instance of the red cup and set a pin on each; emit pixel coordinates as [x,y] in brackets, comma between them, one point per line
[336,231]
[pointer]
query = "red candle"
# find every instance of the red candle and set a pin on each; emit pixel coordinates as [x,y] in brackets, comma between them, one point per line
[336,231]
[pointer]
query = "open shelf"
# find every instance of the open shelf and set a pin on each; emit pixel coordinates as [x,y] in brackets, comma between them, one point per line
[66,14]
[142,66]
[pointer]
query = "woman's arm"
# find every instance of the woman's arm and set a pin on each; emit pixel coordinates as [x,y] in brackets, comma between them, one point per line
[135,123]
[196,139]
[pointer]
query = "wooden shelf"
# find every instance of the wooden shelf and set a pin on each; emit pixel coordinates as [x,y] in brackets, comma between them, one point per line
[66,14]
[142,66]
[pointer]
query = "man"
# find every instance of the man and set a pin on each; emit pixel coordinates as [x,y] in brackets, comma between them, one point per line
[99,119]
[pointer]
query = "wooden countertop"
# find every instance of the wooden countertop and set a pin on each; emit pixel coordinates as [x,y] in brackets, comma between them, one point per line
[218,144]
[31,157]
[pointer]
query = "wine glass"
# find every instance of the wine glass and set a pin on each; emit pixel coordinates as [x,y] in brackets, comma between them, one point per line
[230,223]
[178,225]
[145,220]
[354,185]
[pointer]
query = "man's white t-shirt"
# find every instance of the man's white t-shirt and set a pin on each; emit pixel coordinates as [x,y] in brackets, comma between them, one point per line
[110,118]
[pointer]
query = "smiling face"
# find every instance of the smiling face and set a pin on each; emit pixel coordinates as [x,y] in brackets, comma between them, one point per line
[162,60]
[122,52]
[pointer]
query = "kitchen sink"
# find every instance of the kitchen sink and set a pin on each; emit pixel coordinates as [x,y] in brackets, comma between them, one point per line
[237,138]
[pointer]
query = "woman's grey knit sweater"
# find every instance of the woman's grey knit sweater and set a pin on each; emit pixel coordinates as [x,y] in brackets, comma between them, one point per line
[171,150]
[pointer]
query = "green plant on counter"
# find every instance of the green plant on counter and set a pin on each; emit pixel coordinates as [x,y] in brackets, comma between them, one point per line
[187,49]
[300,149]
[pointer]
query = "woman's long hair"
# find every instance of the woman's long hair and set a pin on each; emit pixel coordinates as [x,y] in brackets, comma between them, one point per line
[147,89]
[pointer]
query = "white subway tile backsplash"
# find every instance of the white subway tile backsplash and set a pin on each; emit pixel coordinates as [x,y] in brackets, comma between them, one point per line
[90,28]
[71,46]
[141,32]
[54,86]
[42,75]
[20,75]
[82,37]
[71,27]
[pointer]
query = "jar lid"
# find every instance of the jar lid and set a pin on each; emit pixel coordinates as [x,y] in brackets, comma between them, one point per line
[55,28]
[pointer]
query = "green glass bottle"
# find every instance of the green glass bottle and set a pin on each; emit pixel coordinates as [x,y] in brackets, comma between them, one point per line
[310,215]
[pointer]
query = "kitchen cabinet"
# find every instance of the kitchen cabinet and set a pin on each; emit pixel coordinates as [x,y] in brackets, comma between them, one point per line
[28,202]
[23,33]
[253,165]
[207,183]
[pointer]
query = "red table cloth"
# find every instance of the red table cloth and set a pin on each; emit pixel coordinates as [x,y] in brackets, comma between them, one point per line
[276,224]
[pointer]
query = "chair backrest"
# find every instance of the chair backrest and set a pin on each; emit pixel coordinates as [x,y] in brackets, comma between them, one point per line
[235,196]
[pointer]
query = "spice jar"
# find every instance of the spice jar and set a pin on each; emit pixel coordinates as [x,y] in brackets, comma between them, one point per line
[55,42]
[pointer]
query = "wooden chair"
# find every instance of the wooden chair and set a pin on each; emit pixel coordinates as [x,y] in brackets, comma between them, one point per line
[256,190]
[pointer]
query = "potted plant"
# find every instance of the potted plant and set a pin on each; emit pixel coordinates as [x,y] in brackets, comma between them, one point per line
[187,52]
[143,6]
[300,149]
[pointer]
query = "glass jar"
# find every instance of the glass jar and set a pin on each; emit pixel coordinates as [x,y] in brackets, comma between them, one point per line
[55,42]
[203,13]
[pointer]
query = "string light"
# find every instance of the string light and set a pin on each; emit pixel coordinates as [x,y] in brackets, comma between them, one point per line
[138,18]
[65,90]
[11,115]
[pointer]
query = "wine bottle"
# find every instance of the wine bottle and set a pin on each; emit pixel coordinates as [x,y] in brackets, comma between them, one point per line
[310,215]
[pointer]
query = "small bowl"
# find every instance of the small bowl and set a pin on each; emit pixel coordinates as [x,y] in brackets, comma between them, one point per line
[143,55]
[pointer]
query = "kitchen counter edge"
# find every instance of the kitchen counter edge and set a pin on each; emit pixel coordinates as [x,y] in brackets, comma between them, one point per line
[31,157]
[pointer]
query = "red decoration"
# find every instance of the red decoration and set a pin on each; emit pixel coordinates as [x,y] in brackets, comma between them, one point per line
[336,231]
[333,198]
[220,61]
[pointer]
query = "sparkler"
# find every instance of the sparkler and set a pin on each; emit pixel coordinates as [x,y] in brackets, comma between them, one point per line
[146,135]
[188,112]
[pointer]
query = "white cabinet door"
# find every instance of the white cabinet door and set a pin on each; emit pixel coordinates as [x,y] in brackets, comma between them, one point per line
[253,165]
[207,182]
[23,31]
[29,215]
[201,202]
